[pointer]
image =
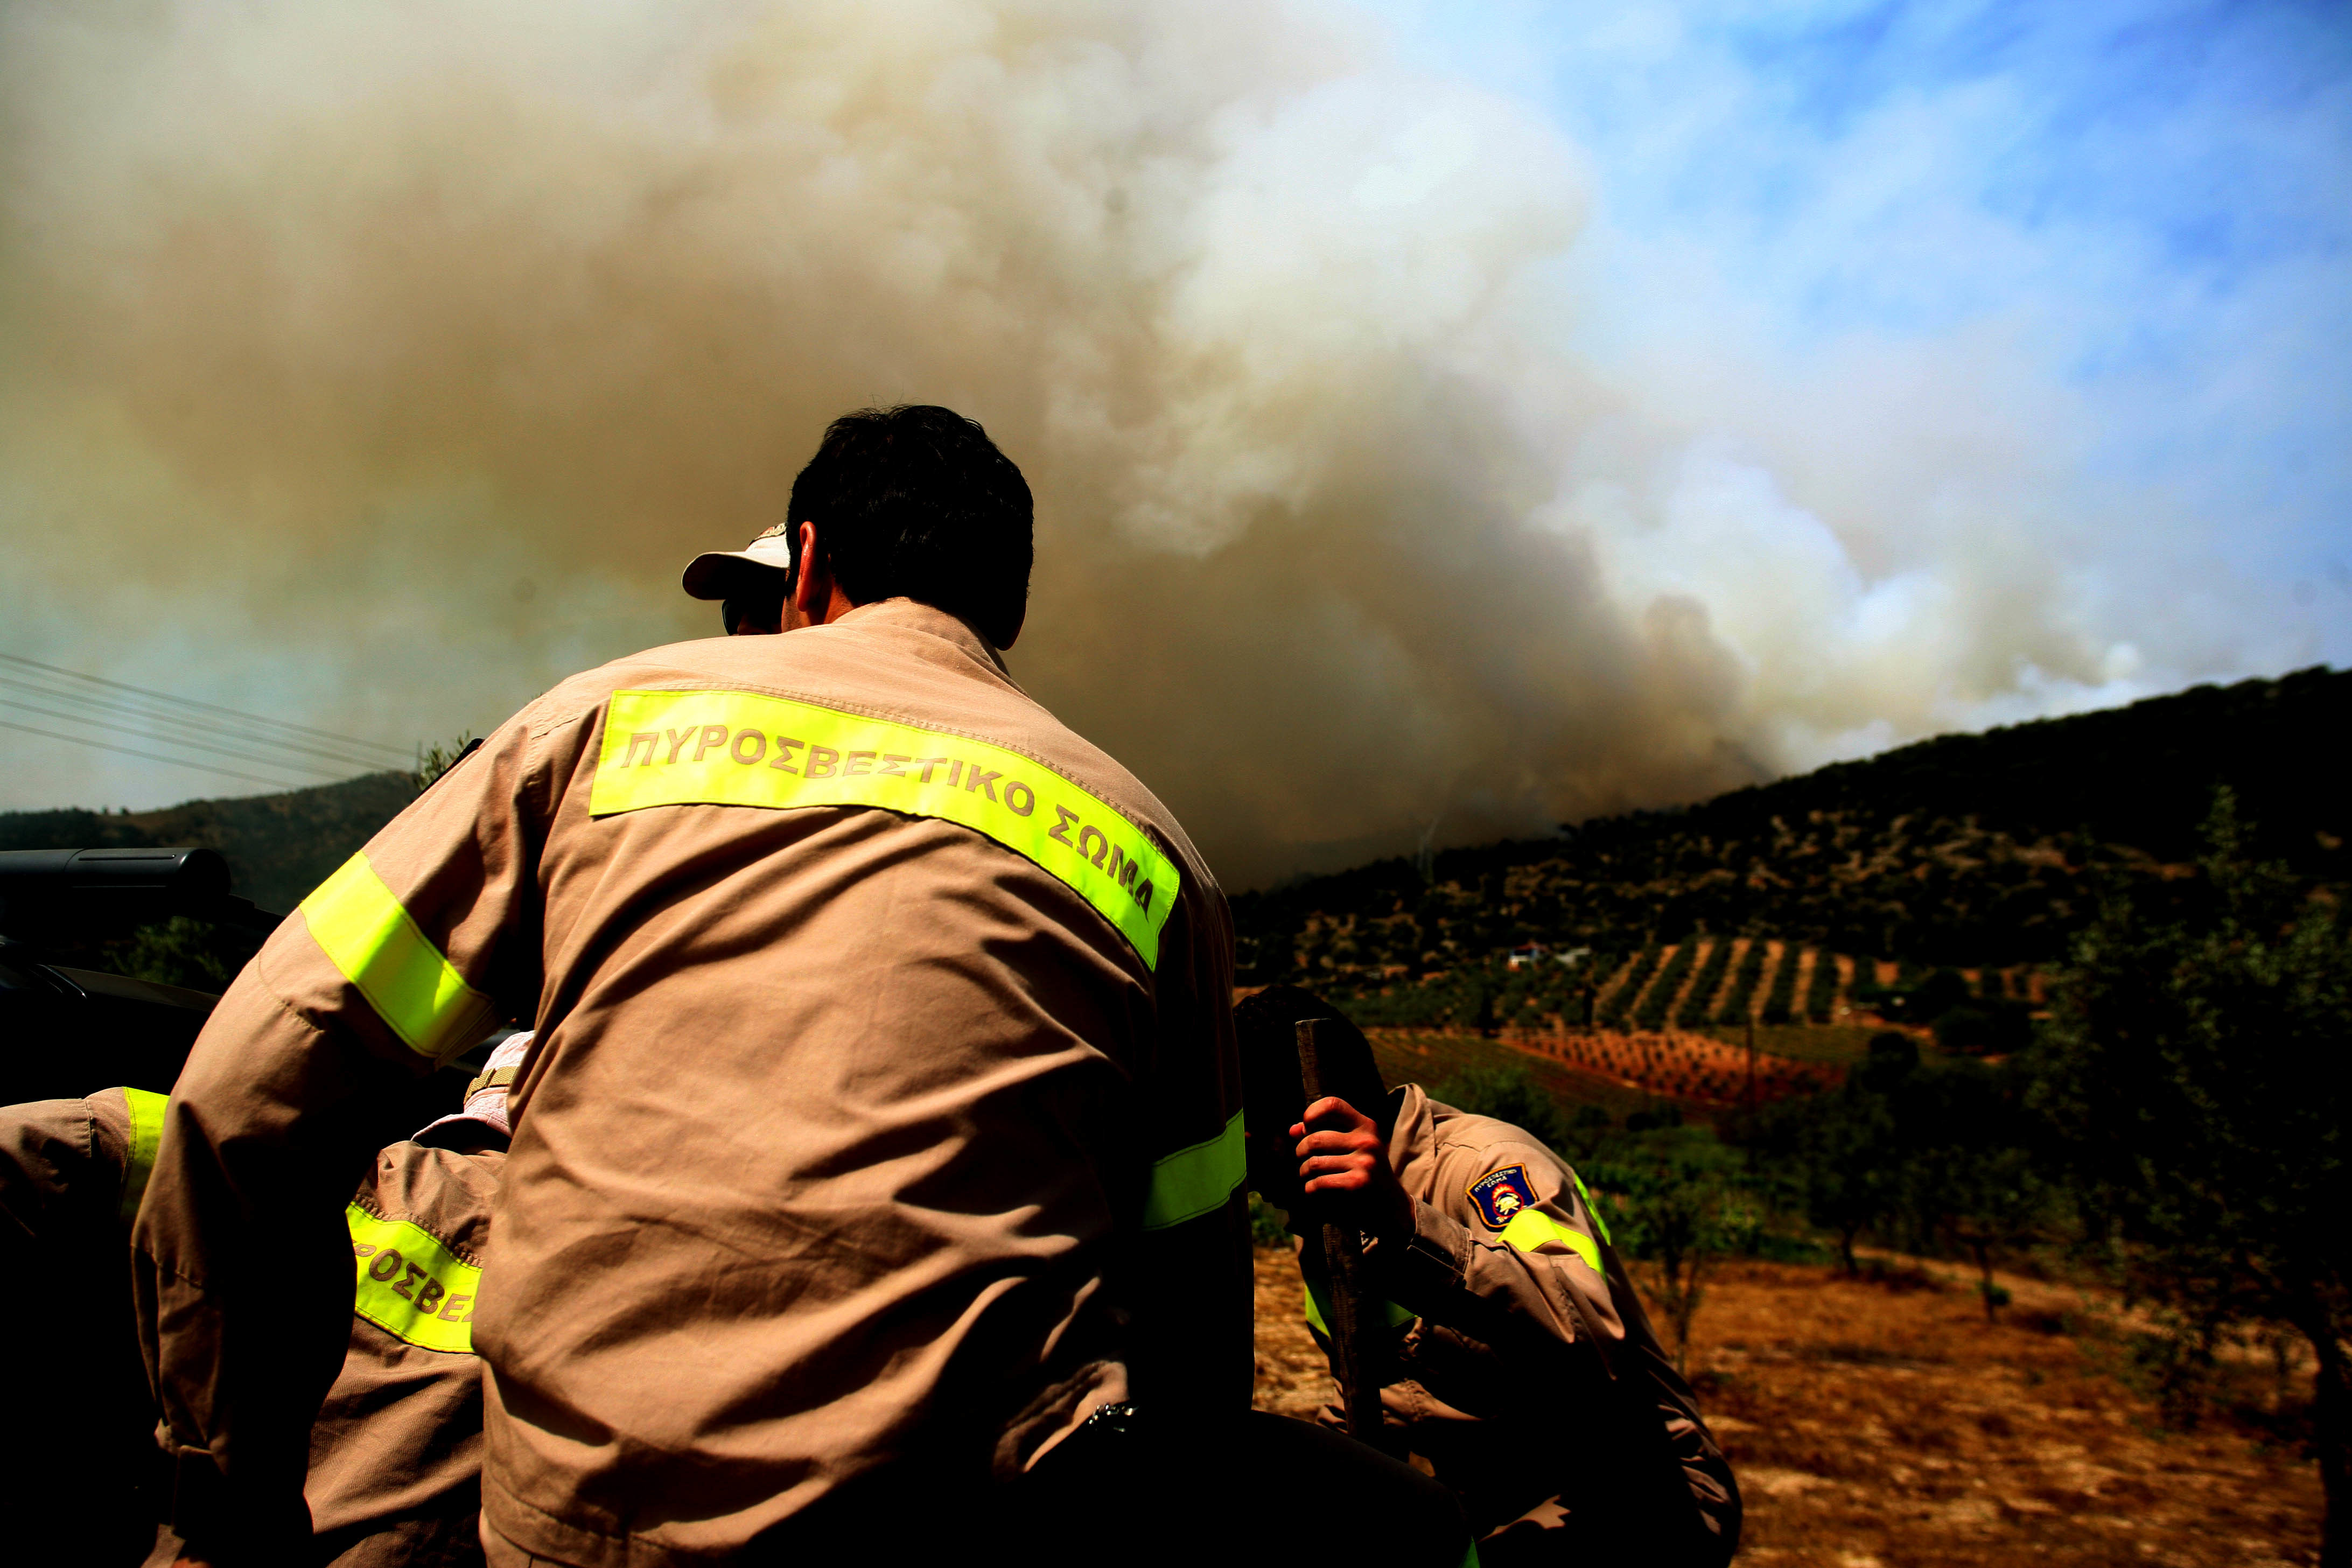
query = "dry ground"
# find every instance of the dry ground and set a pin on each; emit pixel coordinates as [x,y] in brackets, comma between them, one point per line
[1888,1423]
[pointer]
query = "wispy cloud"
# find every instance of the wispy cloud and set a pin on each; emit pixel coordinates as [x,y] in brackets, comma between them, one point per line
[1993,313]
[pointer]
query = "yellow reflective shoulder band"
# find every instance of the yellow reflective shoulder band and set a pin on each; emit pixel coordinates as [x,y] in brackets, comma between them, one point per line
[146,1137]
[410,1285]
[738,748]
[1195,1181]
[1589,1206]
[1318,1311]
[368,936]
[1530,1228]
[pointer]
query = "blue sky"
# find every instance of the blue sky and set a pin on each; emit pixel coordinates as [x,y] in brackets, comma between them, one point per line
[2154,199]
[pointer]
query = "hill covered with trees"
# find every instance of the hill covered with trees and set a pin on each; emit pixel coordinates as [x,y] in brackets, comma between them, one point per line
[278,846]
[1986,850]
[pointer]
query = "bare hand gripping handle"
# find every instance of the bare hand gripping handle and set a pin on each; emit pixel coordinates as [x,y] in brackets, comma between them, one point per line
[1343,1265]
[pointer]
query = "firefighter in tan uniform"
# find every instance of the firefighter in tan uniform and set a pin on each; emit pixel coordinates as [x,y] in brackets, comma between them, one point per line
[397,1450]
[395,1465]
[395,1453]
[883,1129]
[77,1480]
[1516,1360]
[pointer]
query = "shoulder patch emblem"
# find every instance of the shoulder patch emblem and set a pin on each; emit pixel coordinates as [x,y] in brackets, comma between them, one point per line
[1501,1194]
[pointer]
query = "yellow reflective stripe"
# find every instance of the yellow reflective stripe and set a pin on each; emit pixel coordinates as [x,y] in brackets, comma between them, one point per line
[367,935]
[1195,1181]
[736,748]
[1318,1311]
[410,1285]
[1470,1558]
[1530,1228]
[146,1137]
[1589,1208]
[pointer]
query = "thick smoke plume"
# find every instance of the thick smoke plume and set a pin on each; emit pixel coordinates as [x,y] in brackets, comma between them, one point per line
[379,364]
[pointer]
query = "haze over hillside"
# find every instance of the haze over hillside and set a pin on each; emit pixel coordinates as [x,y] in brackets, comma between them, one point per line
[1969,849]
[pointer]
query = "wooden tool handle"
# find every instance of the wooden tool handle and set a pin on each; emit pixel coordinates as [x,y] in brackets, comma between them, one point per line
[1343,1266]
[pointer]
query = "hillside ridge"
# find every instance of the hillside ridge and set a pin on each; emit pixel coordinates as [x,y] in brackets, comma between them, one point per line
[278,846]
[1977,850]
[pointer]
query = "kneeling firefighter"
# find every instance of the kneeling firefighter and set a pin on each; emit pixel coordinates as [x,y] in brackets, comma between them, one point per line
[393,1478]
[1511,1352]
[395,1473]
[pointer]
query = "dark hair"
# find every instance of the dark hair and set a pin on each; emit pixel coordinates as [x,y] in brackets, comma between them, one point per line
[916,502]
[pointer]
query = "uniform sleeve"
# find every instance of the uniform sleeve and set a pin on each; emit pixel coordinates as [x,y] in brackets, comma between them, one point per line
[78,1448]
[1533,1284]
[1538,1283]
[52,1155]
[402,958]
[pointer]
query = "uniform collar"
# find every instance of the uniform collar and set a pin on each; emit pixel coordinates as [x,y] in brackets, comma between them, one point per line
[929,619]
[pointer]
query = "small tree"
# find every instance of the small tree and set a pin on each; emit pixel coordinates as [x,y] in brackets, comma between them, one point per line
[436,759]
[1678,1211]
[1847,1145]
[2197,1071]
[2002,1200]
[1967,1179]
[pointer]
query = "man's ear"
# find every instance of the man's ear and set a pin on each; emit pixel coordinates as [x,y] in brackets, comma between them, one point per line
[812,585]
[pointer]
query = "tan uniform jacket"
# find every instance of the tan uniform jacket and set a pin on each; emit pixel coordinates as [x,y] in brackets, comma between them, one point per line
[63,1165]
[397,1452]
[883,1117]
[1528,1374]
[79,1438]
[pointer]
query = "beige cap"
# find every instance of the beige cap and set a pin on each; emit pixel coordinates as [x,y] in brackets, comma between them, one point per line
[717,574]
[485,1097]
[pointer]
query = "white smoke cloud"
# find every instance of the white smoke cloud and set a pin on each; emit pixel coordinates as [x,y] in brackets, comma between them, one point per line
[379,365]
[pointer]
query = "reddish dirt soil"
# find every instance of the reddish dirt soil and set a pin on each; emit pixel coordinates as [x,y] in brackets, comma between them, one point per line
[1679,1063]
[1886,1425]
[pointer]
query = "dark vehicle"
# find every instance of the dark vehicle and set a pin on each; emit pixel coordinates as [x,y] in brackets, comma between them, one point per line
[67,1029]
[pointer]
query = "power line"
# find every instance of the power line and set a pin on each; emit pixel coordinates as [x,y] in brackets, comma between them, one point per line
[315,733]
[242,757]
[161,719]
[147,756]
[200,726]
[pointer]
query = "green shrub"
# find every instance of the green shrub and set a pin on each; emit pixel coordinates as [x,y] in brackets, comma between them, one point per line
[1509,1094]
[1269,1226]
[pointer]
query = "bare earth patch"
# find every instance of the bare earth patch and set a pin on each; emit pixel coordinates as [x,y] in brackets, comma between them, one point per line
[1888,1423]
[1292,1379]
